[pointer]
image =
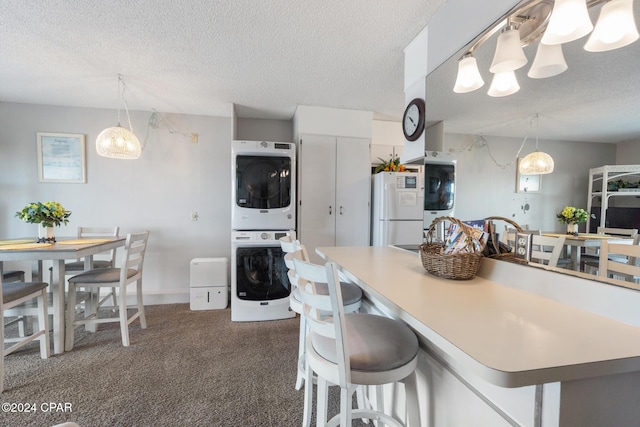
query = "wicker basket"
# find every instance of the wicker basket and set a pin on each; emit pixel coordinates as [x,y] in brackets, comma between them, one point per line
[503,256]
[459,266]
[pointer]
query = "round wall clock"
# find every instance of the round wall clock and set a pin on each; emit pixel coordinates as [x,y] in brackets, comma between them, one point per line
[413,119]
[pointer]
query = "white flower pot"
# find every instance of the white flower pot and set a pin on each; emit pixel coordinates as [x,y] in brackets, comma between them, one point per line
[46,234]
[572,229]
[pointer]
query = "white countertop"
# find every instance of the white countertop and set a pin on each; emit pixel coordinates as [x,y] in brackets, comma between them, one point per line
[509,337]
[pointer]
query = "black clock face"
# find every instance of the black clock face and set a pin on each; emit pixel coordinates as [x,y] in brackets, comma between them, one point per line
[413,120]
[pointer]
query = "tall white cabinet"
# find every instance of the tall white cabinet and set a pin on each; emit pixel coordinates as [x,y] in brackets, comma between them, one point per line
[334,184]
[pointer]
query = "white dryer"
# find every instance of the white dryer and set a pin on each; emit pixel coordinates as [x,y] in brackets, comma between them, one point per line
[263,193]
[260,286]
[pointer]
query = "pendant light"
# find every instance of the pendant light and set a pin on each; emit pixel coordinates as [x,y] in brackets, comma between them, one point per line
[118,142]
[569,21]
[509,55]
[615,28]
[536,163]
[549,61]
[469,78]
[503,84]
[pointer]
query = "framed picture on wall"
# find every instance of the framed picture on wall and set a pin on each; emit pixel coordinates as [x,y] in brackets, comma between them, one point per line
[61,157]
[527,183]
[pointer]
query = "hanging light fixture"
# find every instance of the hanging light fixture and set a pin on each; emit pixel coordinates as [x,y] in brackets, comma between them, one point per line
[615,28]
[549,61]
[469,78]
[509,55]
[503,84]
[569,21]
[118,142]
[536,163]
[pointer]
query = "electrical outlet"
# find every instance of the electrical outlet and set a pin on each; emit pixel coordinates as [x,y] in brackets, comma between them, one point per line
[523,246]
[194,216]
[194,138]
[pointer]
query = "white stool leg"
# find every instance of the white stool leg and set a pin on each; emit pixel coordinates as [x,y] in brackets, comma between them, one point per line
[321,404]
[411,400]
[308,398]
[301,345]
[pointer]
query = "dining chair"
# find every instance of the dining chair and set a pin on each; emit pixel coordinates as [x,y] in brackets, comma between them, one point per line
[14,293]
[620,260]
[353,349]
[590,259]
[546,249]
[130,272]
[105,260]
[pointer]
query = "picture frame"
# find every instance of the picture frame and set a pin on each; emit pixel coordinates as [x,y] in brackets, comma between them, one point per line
[527,183]
[61,157]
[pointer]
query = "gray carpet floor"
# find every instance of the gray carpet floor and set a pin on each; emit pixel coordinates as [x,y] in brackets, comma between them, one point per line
[188,368]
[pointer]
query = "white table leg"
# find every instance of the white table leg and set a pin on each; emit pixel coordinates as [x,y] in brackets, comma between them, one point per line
[58,306]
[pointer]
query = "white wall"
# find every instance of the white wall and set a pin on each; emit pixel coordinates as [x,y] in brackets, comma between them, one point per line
[158,192]
[484,189]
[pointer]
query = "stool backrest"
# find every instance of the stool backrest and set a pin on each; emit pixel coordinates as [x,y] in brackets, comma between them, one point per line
[325,313]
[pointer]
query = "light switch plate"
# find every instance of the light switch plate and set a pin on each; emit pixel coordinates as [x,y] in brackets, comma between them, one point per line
[523,246]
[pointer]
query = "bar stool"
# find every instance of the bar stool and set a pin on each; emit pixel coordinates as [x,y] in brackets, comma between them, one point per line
[353,349]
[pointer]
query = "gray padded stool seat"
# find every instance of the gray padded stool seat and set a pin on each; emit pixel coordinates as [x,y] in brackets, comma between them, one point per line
[375,343]
[351,293]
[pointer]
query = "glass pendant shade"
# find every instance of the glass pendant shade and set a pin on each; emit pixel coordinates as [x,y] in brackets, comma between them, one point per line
[536,163]
[469,78]
[569,21]
[503,84]
[549,61]
[509,55]
[615,28]
[118,143]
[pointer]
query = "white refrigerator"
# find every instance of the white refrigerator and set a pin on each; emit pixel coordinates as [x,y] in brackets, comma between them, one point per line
[397,208]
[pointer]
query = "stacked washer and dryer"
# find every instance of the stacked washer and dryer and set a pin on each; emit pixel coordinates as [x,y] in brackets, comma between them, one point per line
[263,200]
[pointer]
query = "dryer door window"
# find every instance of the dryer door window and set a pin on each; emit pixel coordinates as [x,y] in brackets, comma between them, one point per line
[261,274]
[263,182]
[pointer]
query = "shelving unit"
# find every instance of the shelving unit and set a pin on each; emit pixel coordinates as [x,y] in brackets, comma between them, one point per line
[599,179]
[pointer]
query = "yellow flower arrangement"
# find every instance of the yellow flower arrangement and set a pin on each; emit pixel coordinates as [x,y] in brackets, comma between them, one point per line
[392,165]
[48,214]
[571,215]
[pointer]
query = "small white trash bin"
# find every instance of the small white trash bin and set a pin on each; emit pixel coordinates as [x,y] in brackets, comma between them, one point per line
[209,283]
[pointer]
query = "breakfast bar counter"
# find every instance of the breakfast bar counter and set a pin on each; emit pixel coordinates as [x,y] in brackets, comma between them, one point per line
[509,327]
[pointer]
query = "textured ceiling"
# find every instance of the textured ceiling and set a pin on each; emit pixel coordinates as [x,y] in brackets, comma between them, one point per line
[202,56]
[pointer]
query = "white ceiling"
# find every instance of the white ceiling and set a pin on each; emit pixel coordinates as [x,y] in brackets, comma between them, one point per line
[202,56]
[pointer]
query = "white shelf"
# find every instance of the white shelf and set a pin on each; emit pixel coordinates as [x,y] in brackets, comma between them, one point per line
[604,175]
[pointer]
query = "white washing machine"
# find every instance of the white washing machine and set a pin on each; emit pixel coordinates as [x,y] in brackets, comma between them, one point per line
[263,193]
[260,287]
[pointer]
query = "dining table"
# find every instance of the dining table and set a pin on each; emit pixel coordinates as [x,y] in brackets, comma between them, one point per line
[575,243]
[28,249]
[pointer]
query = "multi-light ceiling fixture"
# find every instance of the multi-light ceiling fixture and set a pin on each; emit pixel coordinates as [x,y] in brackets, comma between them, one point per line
[118,142]
[553,23]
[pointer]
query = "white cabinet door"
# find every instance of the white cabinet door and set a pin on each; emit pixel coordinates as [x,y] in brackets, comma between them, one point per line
[334,192]
[317,183]
[353,192]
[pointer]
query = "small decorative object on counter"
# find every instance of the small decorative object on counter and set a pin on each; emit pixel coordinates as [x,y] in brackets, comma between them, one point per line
[572,217]
[457,258]
[46,215]
[392,165]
